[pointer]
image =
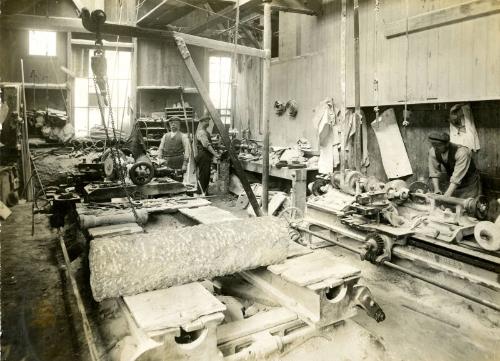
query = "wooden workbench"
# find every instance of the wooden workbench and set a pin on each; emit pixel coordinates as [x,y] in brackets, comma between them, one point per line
[299,178]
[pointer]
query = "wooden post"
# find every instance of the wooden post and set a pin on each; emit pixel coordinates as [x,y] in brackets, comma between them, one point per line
[343,28]
[133,84]
[234,66]
[70,81]
[214,114]
[266,93]
[25,147]
[357,100]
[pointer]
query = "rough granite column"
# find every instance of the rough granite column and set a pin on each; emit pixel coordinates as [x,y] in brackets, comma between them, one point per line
[137,263]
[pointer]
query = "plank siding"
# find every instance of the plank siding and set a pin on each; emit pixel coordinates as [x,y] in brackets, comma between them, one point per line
[446,64]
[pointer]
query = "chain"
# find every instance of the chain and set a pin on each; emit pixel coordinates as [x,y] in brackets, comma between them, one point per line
[114,156]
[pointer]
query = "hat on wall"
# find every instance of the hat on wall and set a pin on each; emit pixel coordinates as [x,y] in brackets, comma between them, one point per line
[439,137]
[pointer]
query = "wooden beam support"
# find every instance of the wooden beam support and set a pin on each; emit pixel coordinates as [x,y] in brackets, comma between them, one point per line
[245,6]
[168,11]
[453,14]
[248,35]
[310,7]
[266,104]
[343,57]
[214,114]
[357,90]
[106,44]
[32,22]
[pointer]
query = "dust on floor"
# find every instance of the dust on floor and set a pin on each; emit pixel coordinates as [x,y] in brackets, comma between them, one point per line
[423,323]
[36,320]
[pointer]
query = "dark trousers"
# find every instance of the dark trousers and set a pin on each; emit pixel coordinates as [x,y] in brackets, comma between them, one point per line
[204,162]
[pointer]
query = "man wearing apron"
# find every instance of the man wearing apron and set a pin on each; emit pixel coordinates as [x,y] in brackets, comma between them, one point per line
[205,153]
[174,146]
[458,165]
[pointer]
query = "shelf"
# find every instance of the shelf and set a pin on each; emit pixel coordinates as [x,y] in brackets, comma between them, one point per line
[49,86]
[168,87]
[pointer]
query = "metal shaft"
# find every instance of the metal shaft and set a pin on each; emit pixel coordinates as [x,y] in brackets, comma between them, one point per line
[481,301]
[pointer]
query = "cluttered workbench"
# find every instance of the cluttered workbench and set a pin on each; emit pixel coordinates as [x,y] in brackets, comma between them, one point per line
[298,176]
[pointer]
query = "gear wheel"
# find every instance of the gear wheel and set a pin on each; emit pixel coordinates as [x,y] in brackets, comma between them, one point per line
[319,186]
[374,247]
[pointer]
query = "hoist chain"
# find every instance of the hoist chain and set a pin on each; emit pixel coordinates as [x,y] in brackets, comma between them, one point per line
[106,94]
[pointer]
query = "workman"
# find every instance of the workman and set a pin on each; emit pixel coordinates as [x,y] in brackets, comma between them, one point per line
[456,162]
[205,154]
[174,146]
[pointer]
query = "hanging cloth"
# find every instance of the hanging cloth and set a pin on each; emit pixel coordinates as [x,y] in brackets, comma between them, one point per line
[464,132]
[328,136]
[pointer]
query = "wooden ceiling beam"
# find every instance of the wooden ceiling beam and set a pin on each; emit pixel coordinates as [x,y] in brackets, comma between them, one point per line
[246,6]
[61,24]
[168,11]
[250,37]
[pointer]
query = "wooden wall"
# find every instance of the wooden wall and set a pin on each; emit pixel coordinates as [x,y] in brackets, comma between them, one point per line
[37,69]
[159,64]
[456,62]
[451,63]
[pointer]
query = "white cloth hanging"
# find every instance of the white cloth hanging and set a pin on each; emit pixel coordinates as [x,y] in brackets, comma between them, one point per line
[466,134]
[328,136]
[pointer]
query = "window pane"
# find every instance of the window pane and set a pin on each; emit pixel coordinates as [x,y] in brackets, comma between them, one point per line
[225,93]
[214,69]
[42,43]
[215,94]
[81,117]
[94,117]
[225,70]
[81,92]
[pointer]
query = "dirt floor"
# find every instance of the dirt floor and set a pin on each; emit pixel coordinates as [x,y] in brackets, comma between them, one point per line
[40,321]
[37,321]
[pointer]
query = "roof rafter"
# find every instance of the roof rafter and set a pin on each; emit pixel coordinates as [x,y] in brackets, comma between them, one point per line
[246,6]
[168,11]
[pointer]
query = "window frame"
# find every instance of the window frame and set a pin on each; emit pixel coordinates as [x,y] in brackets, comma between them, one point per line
[32,32]
[224,113]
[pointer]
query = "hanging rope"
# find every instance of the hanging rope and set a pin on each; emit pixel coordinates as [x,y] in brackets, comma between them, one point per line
[103,92]
[407,57]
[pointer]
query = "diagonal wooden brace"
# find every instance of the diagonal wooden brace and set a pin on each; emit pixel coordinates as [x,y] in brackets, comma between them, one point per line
[203,91]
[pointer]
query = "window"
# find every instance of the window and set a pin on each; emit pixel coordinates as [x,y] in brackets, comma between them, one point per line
[42,43]
[220,86]
[87,113]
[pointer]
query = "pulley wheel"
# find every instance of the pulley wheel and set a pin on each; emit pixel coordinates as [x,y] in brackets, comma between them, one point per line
[351,178]
[479,207]
[418,187]
[141,173]
[319,187]
[109,168]
[253,147]
[487,235]
[242,201]
[236,146]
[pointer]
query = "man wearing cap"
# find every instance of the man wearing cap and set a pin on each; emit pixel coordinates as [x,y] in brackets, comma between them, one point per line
[205,153]
[456,162]
[174,146]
